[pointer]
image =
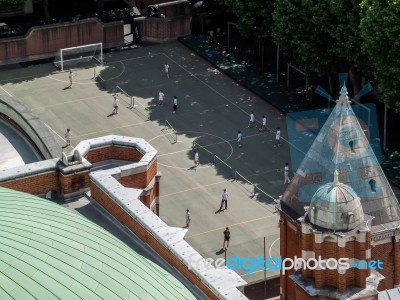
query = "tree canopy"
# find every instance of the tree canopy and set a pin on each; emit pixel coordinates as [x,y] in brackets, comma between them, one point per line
[380,32]
[330,36]
[12,2]
[252,15]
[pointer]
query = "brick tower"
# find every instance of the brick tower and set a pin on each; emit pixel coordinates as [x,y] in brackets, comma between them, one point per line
[340,205]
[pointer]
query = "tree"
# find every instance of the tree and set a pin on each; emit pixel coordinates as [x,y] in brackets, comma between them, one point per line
[13,3]
[321,36]
[297,30]
[380,32]
[252,14]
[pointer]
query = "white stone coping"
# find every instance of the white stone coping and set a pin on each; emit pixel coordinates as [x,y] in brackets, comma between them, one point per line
[149,153]
[29,169]
[223,282]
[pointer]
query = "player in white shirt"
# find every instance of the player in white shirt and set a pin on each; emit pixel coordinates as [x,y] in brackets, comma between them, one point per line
[252,121]
[196,158]
[175,106]
[286,173]
[115,105]
[239,139]
[166,69]
[71,76]
[68,136]
[187,218]
[277,137]
[264,124]
[161,97]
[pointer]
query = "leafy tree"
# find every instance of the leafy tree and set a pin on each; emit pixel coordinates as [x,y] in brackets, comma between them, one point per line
[252,14]
[380,31]
[297,30]
[321,36]
[14,3]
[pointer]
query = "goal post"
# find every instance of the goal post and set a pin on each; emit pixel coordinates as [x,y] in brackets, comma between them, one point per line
[74,55]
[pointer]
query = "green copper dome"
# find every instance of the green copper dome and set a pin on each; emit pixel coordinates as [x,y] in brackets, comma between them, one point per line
[49,252]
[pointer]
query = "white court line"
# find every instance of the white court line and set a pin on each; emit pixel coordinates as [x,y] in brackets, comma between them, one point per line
[69,102]
[270,248]
[204,146]
[6,91]
[149,55]
[55,132]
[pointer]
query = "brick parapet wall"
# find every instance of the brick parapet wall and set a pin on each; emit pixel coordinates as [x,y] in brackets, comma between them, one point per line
[124,218]
[113,152]
[38,184]
[127,220]
[46,40]
[116,199]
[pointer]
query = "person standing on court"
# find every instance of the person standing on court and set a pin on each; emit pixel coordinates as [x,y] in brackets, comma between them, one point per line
[252,121]
[115,105]
[166,70]
[227,236]
[161,97]
[264,124]
[196,158]
[277,137]
[175,106]
[224,200]
[286,173]
[70,78]
[187,218]
[239,139]
[68,136]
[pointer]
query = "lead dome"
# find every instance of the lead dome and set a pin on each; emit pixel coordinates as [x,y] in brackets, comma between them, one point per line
[335,206]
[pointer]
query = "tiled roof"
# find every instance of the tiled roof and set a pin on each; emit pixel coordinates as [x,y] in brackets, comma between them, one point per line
[392,294]
[49,252]
[342,145]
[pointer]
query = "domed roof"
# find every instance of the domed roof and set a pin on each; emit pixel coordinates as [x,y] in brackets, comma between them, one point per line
[335,206]
[49,252]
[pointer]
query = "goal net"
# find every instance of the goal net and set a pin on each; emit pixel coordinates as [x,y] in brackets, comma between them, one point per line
[74,55]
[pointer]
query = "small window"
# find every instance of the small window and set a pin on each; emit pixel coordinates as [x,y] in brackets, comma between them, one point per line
[372,184]
[351,145]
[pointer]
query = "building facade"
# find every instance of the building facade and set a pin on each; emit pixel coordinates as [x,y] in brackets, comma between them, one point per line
[340,205]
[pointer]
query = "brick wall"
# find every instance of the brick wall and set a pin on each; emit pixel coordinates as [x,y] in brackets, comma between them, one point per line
[36,184]
[124,218]
[74,182]
[161,30]
[292,242]
[140,180]
[385,253]
[113,152]
[44,41]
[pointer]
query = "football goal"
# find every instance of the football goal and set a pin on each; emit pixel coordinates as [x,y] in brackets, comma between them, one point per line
[71,56]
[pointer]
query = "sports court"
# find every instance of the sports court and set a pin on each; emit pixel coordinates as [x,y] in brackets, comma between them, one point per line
[211,110]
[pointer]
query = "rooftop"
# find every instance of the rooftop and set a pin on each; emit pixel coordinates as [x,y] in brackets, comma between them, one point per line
[50,252]
[343,146]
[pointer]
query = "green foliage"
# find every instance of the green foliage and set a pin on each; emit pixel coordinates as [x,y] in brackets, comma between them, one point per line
[253,15]
[380,31]
[12,2]
[319,35]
